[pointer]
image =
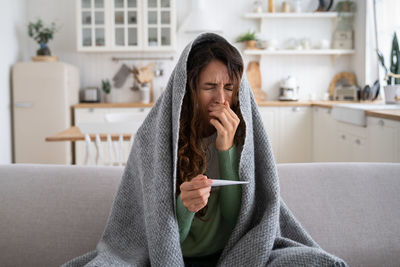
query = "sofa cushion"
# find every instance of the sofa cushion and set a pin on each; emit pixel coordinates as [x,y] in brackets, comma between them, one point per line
[50,214]
[351,209]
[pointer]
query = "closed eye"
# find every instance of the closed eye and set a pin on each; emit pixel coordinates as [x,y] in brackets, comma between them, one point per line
[229,87]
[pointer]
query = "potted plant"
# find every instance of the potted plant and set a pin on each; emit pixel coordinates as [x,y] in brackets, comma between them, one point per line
[42,35]
[106,88]
[249,39]
[392,75]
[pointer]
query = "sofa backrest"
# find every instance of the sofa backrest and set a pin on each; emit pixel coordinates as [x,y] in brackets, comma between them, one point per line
[50,214]
[352,210]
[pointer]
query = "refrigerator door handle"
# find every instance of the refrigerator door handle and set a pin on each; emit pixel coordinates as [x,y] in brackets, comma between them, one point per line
[23,104]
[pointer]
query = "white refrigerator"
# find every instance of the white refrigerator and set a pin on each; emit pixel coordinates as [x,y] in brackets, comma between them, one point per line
[43,95]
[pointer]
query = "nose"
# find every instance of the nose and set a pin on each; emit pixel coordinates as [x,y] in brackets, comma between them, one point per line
[220,95]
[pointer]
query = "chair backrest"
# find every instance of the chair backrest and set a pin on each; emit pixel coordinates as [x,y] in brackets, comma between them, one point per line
[125,117]
[116,152]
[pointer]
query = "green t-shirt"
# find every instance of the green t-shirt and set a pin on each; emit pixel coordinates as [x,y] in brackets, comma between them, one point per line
[209,234]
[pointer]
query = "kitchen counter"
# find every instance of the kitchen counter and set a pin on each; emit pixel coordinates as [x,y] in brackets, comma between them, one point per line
[391,114]
[261,104]
[74,134]
[386,114]
[113,105]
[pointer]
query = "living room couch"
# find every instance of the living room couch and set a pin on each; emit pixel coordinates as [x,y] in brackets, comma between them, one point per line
[51,213]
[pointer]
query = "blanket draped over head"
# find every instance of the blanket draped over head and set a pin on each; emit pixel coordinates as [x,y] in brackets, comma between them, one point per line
[142,228]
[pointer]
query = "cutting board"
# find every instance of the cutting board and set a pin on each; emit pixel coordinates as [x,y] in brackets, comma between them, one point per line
[254,76]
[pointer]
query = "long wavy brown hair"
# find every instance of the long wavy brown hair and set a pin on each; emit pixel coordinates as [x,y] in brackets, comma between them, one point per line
[191,152]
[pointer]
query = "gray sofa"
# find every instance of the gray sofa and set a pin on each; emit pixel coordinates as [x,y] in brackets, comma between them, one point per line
[50,214]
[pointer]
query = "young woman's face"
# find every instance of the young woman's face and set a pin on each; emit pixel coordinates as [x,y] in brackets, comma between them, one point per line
[214,85]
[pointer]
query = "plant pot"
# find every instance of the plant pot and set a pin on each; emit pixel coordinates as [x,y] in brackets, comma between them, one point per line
[390,93]
[110,97]
[43,50]
[252,44]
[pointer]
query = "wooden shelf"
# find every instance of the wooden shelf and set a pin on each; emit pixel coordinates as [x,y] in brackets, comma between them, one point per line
[304,15]
[331,52]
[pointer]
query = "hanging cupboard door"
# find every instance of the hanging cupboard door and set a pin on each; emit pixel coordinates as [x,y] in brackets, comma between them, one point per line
[92,25]
[126,25]
[159,25]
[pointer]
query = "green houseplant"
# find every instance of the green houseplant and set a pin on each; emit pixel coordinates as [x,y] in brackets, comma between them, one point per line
[249,39]
[106,88]
[42,35]
[392,74]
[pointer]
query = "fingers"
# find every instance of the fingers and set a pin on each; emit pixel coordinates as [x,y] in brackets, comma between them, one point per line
[218,125]
[225,115]
[197,182]
[195,205]
[195,194]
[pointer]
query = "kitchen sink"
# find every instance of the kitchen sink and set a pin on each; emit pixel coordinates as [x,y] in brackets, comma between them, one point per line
[355,113]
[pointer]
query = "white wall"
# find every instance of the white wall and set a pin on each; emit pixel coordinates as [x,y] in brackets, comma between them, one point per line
[12,29]
[313,72]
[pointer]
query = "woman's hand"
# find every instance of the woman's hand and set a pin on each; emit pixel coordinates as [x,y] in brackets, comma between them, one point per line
[226,122]
[195,194]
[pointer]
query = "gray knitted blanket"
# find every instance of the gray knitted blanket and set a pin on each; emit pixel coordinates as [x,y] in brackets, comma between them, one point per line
[142,228]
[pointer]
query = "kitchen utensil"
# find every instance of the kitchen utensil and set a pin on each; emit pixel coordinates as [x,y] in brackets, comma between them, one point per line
[271,6]
[297,6]
[366,93]
[289,90]
[342,78]
[257,6]
[286,8]
[90,95]
[254,77]
[121,76]
[145,93]
[375,89]
[346,92]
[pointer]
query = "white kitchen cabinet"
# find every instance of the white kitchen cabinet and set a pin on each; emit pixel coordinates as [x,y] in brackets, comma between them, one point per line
[295,134]
[398,143]
[126,25]
[384,140]
[98,115]
[324,135]
[352,143]
[270,117]
[290,132]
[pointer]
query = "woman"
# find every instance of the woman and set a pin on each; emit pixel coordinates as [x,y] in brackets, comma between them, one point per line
[205,125]
[209,120]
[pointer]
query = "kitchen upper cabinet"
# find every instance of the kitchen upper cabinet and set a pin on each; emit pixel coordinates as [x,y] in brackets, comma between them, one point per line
[126,25]
[295,134]
[324,135]
[92,28]
[384,136]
